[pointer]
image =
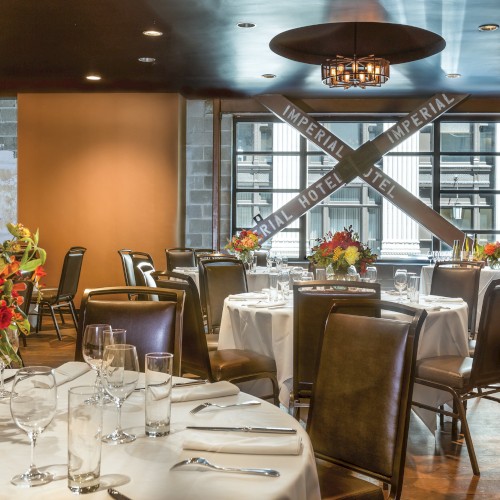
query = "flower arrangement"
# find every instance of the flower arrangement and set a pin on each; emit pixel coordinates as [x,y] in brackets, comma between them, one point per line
[341,250]
[491,253]
[17,255]
[245,241]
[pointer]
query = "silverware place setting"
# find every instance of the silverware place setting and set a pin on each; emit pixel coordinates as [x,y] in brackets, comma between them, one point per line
[215,405]
[202,464]
[265,430]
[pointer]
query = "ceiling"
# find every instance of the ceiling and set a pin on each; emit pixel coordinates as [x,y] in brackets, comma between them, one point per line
[49,46]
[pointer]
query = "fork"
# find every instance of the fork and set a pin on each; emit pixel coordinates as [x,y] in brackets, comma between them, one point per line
[202,464]
[206,405]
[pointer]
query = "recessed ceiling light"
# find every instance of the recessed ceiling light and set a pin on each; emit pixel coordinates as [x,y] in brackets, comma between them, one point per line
[453,75]
[93,78]
[147,59]
[268,75]
[246,25]
[488,27]
[152,33]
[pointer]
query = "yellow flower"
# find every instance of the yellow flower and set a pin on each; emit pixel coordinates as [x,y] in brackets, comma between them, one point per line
[351,255]
[337,253]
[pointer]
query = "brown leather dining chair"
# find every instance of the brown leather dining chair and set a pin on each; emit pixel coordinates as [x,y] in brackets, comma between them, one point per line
[361,402]
[234,365]
[61,298]
[218,279]
[312,301]
[180,257]
[465,377]
[152,326]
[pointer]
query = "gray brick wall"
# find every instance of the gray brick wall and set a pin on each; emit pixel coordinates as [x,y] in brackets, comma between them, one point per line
[199,182]
[8,164]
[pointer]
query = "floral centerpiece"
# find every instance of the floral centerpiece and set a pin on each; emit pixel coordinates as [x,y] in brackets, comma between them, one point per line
[342,250]
[243,244]
[21,254]
[490,252]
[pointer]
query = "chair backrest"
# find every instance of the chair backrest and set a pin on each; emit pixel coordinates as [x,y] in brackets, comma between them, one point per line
[261,257]
[218,279]
[70,274]
[362,395]
[180,257]
[201,252]
[128,266]
[138,258]
[458,281]
[486,359]
[144,271]
[195,358]
[152,326]
[311,306]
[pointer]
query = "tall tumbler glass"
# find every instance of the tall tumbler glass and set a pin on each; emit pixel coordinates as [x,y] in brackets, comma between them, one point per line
[84,439]
[158,369]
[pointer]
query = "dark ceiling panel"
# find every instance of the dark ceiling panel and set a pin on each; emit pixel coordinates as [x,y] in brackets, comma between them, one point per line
[50,45]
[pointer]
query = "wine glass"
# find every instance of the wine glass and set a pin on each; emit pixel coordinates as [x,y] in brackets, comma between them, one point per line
[95,338]
[120,368]
[4,393]
[371,274]
[33,406]
[400,282]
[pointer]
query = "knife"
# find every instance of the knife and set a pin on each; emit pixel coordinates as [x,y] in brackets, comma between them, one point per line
[8,379]
[117,495]
[268,430]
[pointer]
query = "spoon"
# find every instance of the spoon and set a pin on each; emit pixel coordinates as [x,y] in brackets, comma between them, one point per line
[202,464]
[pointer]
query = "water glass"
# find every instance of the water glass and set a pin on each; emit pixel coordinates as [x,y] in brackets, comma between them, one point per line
[158,369]
[320,273]
[414,289]
[371,274]
[273,286]
[84,440]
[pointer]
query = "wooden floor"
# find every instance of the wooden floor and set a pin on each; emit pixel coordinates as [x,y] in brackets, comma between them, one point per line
[436,468]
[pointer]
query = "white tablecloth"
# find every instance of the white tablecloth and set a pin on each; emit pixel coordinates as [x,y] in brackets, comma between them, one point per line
[256,280]
[486,277]
[140,469]
[270,331]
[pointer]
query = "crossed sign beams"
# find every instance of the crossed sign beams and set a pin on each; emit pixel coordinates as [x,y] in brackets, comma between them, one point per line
[360,162]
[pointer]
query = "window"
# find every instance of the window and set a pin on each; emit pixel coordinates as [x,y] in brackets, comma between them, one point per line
[273,163]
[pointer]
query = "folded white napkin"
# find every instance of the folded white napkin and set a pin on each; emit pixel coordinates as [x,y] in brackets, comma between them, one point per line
[204,391]
[437,298]
[189,269]
[69,371]
[247,296]
[235,442]
[269,304]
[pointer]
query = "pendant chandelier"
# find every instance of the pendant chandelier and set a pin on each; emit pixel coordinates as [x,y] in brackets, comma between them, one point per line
[362,72]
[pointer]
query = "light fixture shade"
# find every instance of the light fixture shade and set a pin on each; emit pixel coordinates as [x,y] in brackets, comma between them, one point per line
[457,212]
[369,71]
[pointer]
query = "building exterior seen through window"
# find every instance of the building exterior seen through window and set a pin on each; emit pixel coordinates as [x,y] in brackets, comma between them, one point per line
[450,165]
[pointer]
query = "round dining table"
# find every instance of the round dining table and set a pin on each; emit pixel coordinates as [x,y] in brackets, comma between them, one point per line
[267,328]
[141,469]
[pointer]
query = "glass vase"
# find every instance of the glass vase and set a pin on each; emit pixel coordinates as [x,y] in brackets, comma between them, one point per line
[494,263]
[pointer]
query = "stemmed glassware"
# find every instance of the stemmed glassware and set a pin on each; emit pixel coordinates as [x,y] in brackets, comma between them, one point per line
[95,338]
[33,406]
[371,274]
[400,282]
[4,393]
[120,368]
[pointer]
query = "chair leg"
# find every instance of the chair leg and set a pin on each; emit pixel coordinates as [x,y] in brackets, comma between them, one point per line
[468,439]
[39,318]
[73,313]
[52,313]
[276,391]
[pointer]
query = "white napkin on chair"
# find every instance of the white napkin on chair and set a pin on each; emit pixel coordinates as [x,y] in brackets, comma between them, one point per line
[235,442]
[69,371]
[204,391]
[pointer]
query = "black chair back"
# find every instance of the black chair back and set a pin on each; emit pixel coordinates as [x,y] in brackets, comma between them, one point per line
[218,279]
[180,257]
[458,281]
[152,326]
[128,266]
[312,303]
[70,274]
[362,395]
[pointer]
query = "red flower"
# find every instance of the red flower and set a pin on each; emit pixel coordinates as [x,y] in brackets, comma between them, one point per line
[5,317]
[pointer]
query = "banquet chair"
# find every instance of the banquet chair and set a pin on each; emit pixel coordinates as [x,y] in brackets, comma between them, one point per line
[312,301]
[261,257]
[180,257]
[233,365]
[60,298]
[466,378]
[218,279]
[138,258]
[361,402]
[152,326]
[201,252]
[128,266]
[461,280]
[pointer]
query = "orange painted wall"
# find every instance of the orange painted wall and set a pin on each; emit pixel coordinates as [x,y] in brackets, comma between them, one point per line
[100,171]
